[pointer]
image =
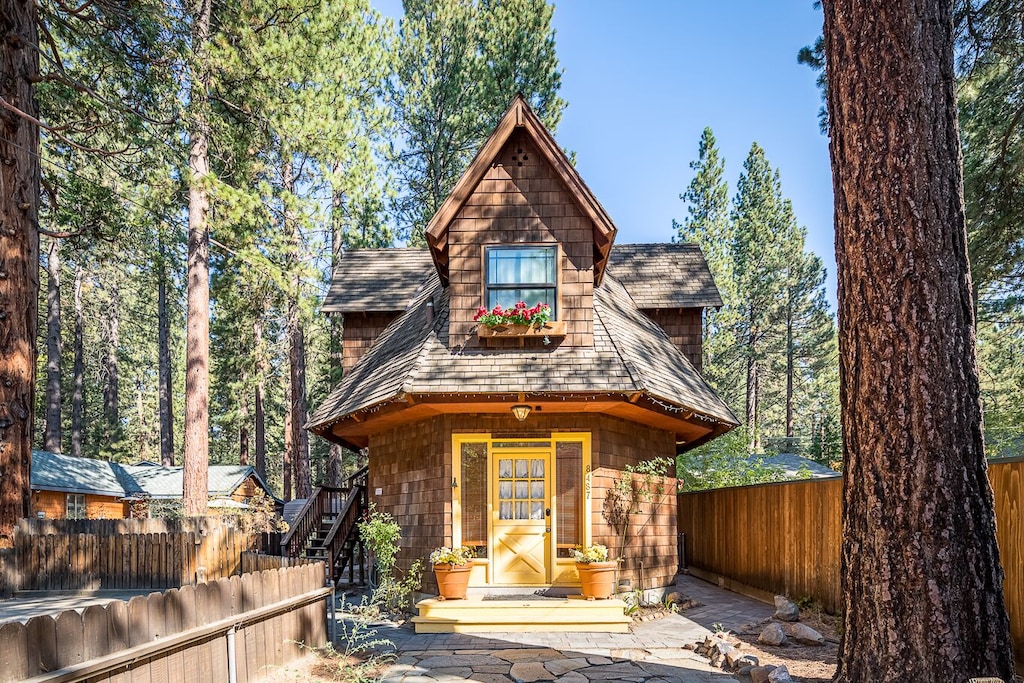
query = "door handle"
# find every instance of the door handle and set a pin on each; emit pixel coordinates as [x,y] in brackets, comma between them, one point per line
[547,512]
[548,530]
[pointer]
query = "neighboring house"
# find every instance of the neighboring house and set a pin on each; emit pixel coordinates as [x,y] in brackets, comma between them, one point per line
[794,467]
[612,382]
[64,486]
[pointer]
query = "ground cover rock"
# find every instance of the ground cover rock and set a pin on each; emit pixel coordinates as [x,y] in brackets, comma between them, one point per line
[780,675]
[786,609]
[759,674]
[772,634]
[804,634]
[529,655]
[560,667]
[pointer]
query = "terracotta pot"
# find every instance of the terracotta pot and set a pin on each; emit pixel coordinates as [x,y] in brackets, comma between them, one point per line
[597,579]
[452,580]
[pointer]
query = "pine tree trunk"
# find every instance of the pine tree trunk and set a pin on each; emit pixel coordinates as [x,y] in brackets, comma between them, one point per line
[789,373]
[243,425]
[165,379]
[197,341]
[260,426]
[336,454]
[19,244]
[296,343]
[78,370]
[752,427]
[287,468]
[54,360]
[922,582]
[111,367]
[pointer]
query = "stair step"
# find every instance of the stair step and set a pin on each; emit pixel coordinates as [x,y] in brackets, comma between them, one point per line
[475,615]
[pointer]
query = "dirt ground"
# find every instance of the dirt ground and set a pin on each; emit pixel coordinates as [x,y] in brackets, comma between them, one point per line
[806,663]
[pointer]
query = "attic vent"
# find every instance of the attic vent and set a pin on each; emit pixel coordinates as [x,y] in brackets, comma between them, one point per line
[519,157]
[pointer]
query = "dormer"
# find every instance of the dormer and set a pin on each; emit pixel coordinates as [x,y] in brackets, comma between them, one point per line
[521,225]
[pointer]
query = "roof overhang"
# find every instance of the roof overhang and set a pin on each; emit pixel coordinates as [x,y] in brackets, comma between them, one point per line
[691,427]
[519,116]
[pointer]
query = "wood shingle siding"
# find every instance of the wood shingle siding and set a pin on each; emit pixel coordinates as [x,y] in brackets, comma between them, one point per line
[361,329]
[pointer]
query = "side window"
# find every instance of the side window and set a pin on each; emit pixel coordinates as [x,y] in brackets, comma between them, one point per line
[76,506]
[528,274]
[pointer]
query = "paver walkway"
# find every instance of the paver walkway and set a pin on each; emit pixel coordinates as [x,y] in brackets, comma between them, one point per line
[652,653]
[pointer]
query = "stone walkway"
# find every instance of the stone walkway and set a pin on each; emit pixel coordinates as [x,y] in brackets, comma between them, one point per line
[652,653]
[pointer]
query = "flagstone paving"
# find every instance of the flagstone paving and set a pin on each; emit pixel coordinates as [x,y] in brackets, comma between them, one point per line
[651,653]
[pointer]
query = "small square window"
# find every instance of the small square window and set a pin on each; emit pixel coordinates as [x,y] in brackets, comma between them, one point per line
[527,274]
[76,506]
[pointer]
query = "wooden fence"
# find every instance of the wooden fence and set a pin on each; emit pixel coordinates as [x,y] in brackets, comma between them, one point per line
[128,554]
[258,562]
[785,538]
[251,624]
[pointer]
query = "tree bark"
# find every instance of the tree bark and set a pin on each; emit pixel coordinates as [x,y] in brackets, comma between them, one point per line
[197,341]
[260,426]
[19,244]
[296,341]
[287,468]
[922,582]
[111,367]
[753,435]
[54,360]
[336,454]
[165,378]
[78,370]
[789,371]
[243,424]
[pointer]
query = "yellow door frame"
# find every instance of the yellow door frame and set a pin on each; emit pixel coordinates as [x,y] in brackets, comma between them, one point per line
[560,570]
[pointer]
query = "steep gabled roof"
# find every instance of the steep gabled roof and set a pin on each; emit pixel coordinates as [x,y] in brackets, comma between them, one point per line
[368,280]
[520,117]
[659,276]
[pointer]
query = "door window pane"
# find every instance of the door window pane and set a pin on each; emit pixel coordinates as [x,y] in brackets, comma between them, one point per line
[521,488]
[474,491]
[569,495]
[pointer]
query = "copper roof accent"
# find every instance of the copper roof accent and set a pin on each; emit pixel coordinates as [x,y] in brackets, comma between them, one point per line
[660,276]
[520,116]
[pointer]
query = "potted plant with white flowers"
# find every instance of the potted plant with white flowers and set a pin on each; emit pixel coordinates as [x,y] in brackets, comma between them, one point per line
[451,569]
[597,572]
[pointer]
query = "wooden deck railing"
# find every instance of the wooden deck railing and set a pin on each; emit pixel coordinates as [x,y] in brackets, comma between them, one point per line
[344,533]
[323,501]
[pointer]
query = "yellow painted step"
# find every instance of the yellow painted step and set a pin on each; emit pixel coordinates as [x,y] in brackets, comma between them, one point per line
[475,615]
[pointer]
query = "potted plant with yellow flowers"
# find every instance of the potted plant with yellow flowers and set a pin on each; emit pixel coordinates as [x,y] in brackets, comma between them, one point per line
[597,572]
[451,569]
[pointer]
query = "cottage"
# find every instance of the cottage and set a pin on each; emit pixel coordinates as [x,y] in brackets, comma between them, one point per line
[67,487]
[506,438]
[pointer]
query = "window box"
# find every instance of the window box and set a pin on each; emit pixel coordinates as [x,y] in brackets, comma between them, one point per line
[555,328]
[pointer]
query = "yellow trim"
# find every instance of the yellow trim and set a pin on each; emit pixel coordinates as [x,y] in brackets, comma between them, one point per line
[560,570]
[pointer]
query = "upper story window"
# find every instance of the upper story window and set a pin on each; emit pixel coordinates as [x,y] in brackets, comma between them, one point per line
[526,274]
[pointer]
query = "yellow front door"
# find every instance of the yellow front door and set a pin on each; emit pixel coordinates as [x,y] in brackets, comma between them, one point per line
[522,517]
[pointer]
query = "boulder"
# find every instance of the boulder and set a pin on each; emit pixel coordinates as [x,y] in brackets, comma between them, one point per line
[780,675]
[772,634]
[804,634]
[759,674]
[786,609]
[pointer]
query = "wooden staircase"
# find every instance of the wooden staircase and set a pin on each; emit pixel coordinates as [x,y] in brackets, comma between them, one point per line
[325,529]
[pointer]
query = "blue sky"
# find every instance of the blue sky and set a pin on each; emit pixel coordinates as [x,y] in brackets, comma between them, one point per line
[644,78]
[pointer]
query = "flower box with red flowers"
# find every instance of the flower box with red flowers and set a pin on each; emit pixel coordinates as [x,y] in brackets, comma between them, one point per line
[519,321]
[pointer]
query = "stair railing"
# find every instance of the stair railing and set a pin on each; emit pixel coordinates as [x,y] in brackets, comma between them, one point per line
[344,527]
[324,500]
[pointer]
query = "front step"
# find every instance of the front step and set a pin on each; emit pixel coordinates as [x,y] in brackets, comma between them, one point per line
[475,615]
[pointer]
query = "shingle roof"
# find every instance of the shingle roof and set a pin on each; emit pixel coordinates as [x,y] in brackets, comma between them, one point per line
[55,472]
[664,275]
[630,353]
[377,280]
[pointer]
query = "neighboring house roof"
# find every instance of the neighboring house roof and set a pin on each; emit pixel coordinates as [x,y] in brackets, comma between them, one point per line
[68,474]
[630,354]
[792,464]
[377,280]
[662,276]
[519,116]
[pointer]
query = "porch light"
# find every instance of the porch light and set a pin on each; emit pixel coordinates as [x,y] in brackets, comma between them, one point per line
[521,412]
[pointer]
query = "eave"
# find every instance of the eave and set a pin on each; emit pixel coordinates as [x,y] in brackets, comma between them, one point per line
[690,426]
